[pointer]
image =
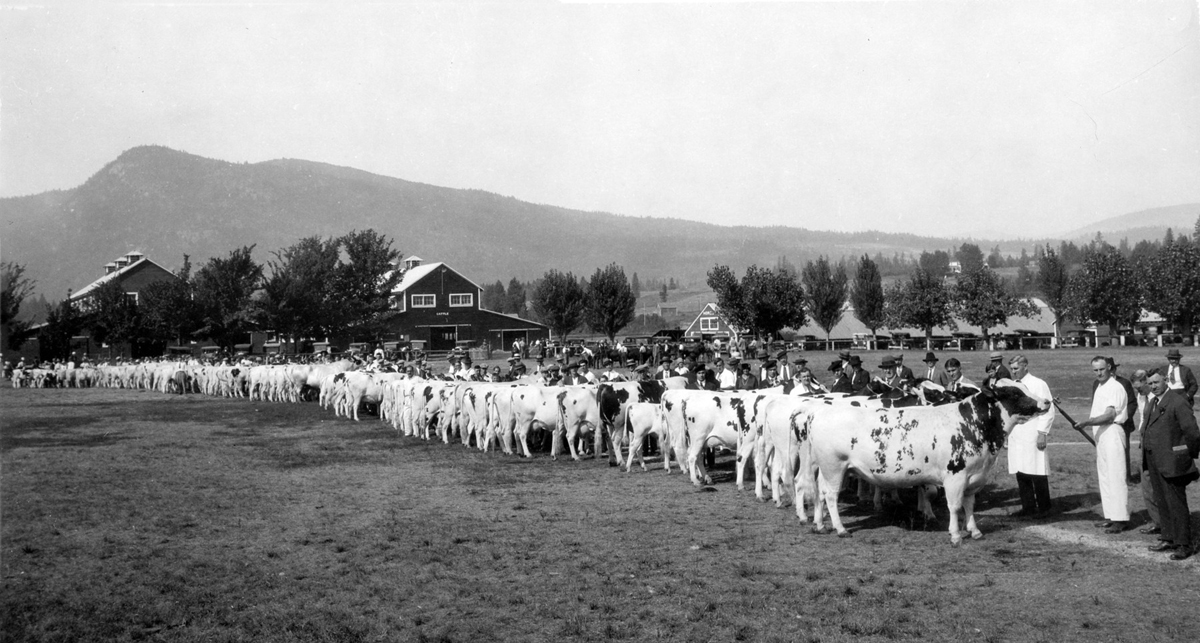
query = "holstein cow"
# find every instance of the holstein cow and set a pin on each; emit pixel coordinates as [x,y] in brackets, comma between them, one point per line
[642,419]
[614,400]
[953,445]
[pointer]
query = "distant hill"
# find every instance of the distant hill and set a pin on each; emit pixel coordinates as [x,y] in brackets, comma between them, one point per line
[166,203]
[1149,225]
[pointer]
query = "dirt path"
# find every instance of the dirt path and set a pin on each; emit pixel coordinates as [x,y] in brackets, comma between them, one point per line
[1136,549]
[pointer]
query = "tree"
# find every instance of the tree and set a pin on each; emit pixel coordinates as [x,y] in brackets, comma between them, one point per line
[635,286]
[222,294]
[672,285]
[662,294]
[763,302]
[922,302]
[981,299]
[867,296]
[112,315]
[493,297]
[559,302]
[515,298]
[1052,282]
[970,257]
[364,283]
[15,287]
[610,301]
[63,321]
[936,263]
[168,311]
[826,290]
[300,298]
[1106,290]
[1171,284]
[1196,230]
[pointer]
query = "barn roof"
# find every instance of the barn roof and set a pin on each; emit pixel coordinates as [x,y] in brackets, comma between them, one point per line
[90,288]
[413,275]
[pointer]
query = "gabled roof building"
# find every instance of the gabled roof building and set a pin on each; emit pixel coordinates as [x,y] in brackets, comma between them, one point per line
[440,308]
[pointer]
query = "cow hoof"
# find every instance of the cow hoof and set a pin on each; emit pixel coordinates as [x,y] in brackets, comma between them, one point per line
[613,464]
[819,530]
[707,480]
[976,535]
[845,534]
[956,540]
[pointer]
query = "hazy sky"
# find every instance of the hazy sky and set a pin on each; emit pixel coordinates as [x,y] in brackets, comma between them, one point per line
[941,118]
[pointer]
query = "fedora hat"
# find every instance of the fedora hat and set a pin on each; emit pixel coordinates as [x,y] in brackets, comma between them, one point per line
[1174,354]
[888,362]
[995,356]
[855,360]
[930,357]
[835,365]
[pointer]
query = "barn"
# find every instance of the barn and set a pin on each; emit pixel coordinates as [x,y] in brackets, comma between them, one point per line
[709,324]
[134,272]
[439,309]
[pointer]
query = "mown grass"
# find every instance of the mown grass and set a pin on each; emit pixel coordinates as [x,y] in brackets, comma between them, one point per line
[226,520]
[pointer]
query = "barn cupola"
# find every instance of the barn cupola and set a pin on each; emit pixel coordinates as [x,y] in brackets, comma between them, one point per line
[134,257]
[110,267]
[412,262]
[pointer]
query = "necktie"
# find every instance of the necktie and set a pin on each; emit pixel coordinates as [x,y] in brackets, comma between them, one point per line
[1149,413]
[930,376]
[1172,378]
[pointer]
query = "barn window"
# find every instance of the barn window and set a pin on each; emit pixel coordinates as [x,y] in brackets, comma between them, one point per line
[397,303]
[709,324]
[462,299]
[132,297]
[424,301]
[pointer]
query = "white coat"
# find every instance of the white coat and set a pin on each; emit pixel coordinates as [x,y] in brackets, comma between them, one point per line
[1023,454]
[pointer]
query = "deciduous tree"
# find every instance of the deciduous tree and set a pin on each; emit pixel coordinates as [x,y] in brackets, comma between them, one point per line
[1170,282]
[15,287]
[981,299]
[222,290]
[112,314]
[825,290]
[610,301]
[1105,290]
[970,257]
[1052,281]
[559,302]
[867,296]
[763,302]
[63,321]
[923,302]
[936,263]
[364,282]
[168,310]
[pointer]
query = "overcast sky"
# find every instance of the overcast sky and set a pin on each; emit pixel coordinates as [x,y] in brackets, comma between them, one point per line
[937,118]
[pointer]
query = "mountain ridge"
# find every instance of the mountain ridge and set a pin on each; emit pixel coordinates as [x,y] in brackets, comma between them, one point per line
[167,203]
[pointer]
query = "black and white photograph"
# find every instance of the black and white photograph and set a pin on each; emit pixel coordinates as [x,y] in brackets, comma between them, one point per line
[463,320]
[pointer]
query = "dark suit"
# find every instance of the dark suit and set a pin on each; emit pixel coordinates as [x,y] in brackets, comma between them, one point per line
[841,384]
[1188,378]
[1002,372]
[906,374]
[1171,442]
[939,375]
[859,378]
[747,382]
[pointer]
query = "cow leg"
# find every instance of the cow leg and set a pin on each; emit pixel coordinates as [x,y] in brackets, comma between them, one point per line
[829,488]
[954,501]
[969,511]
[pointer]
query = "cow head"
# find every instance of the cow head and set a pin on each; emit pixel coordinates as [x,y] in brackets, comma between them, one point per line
[1004,403]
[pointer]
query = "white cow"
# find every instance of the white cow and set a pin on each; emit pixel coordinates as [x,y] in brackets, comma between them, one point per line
[953,445]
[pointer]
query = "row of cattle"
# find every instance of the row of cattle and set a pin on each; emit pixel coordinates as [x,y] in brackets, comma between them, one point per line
[802,445]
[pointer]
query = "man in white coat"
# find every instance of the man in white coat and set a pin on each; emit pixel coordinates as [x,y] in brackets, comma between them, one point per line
[1027,457]
[1109,409]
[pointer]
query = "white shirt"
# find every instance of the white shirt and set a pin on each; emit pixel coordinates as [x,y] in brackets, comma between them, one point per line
[1110,393]
[727,380]
[1173,379]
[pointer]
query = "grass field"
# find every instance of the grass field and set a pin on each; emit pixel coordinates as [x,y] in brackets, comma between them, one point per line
[131,515]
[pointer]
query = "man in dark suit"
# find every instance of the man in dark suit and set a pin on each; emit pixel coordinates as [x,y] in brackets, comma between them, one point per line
[996,368]
[905,373]
[1172,442]
[841,382]
[934,372]
[1180,378]
[859,377]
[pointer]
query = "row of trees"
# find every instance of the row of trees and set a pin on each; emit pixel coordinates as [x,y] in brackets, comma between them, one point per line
[315,288]
[336,286]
